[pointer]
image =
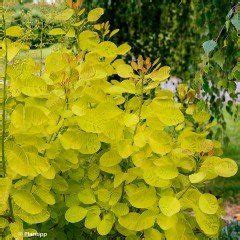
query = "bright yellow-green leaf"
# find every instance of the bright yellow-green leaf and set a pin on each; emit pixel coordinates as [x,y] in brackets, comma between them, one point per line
[126,86]
[88,39]
[3,223]
[210,224]
[70,33]
[226,167]
[115,31]
[151,177]
[137,222]
[5,185]
[142,197]
[197,177]
[56,31]
[182,230]
[123,49]
[169,205]
[105,225]
[110,158]
[43,216]
[65,15]
[195,142]
[75,214]
[45,196]
[208,203]
[120,209]
[153,234]
[160,142]
[93,172]
[12,51]
[125,148]
[14,31]
[86,143]
[93,217]
[95,14]
[130,119]
[190,198]
[107,49]
[124,70]
[162,74]
[87,196]
[16,229]
[166,222]
[167,112]
[27,202]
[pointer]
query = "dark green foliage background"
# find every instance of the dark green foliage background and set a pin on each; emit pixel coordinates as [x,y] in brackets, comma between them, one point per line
[172,30]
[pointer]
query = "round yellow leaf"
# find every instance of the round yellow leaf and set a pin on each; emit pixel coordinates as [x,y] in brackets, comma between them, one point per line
[14,31]
[75,214]
[165,222]
[169,205]
[226,167]
[95,14]
[124,70]
[208,203]
[197,177]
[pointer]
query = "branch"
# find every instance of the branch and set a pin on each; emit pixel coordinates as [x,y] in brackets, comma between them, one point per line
[4,110]
[233,9]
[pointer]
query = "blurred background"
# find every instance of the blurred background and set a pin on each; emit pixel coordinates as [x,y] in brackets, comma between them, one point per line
[198,39]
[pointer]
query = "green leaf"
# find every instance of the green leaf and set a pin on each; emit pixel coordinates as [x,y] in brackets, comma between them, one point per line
[236,21]
[219,58]
[209,46]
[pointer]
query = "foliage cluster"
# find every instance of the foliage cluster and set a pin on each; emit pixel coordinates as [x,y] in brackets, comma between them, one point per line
[35,21]
[85,155]
[176,31]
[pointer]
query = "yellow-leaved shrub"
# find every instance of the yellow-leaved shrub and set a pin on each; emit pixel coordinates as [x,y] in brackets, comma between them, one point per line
[95,143]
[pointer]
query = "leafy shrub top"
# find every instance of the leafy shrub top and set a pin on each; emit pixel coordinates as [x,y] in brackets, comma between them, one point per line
[119,157]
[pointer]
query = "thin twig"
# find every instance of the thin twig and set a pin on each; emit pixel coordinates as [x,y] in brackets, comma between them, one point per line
[224,25]
[4,163]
